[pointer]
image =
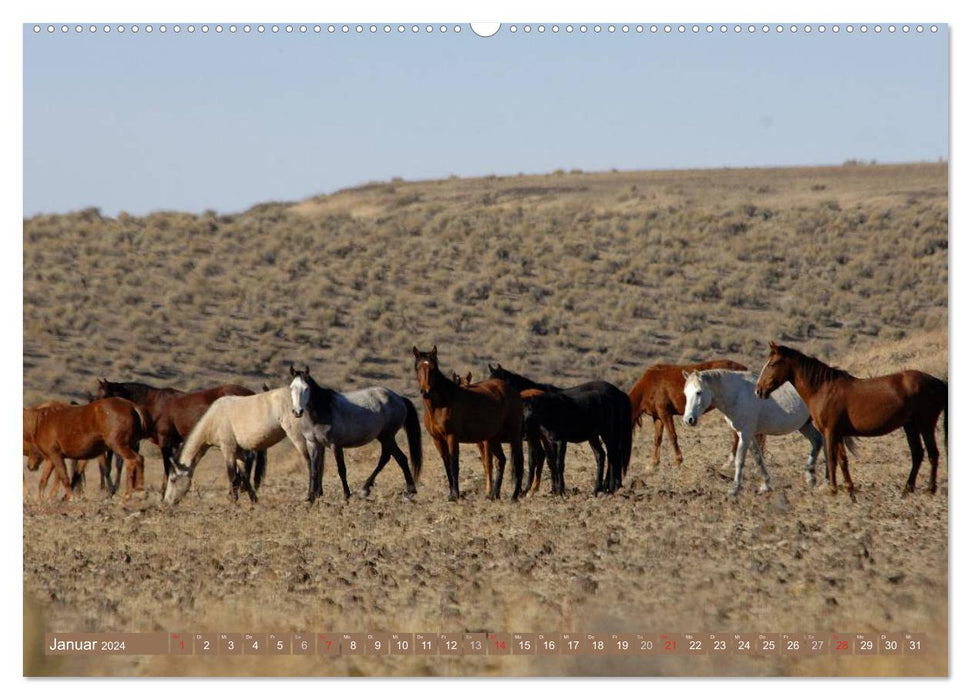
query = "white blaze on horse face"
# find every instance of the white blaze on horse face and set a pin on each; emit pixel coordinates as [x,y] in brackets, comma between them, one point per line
[697,399]
[299,395]
[179,483]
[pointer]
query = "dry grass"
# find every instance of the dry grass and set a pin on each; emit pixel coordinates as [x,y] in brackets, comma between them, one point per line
[566,277]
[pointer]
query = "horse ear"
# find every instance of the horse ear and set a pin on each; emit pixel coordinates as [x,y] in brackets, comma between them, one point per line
[685,373]
[773,347]
[435,351]
[306,370]
[468,377]
[415,352]
[102,381]
[293,372]
[499,366]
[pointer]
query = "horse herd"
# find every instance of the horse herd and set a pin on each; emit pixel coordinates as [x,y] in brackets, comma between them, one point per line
[792,392]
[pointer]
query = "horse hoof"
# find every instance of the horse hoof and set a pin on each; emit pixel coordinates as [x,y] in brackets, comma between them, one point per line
[733,492]
[452,497]
[364,493]
[765,488]
[931,490]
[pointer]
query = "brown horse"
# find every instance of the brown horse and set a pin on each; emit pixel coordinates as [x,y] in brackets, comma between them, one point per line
[660,393]
[489,411]
[487,454]
[35,459]
[173,414]
[843,406]
[88,431]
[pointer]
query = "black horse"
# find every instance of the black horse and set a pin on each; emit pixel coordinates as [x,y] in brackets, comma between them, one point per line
[552,417]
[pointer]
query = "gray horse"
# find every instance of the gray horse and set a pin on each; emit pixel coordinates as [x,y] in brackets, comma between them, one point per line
[329,418]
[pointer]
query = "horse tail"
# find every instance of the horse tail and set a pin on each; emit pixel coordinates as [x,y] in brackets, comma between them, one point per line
[413,430]
[945,416]
[637,411]
[626,438]
[145,423]
[850,444]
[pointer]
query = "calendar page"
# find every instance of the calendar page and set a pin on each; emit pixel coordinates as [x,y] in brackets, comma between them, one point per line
[544,349]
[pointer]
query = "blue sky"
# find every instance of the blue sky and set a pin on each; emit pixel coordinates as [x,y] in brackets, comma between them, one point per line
[144,122]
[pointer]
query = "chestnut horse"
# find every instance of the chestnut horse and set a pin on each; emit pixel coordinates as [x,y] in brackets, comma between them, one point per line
[489,411]
[35,458]
[88,431]
[660,394]
[843,406]
[174,413]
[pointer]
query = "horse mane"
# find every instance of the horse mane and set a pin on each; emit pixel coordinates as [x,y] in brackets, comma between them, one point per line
[521,382]
[815,372]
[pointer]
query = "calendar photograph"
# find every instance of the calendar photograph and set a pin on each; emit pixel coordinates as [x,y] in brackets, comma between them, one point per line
[513,350]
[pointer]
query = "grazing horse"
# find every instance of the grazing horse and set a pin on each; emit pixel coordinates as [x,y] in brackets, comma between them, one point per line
[537,450]
[489,411]
[843,406]
[86,432]
[589,413]
[660,394]
[733,393]
[174,413]
[237,425]
[352,420]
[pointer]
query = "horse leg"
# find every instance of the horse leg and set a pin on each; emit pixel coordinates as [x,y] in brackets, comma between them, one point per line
[495,448]
[673,436]
[816,444]
[756,448]
[845,468]
[166,450]
[342,470]
[485,454]
[599,453]
[535,458]
[60,471]
[658,435]
[442,448]
[244,478]
[916,454]
[44,477]
[560,467]
[832,455]
[743,445]
[402,461]
[516,448]
[731,455]
[452,450]
[932,454]
[382,460]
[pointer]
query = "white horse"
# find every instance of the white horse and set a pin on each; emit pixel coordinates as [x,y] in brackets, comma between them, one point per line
[330,419]
[236,424]
[733,393]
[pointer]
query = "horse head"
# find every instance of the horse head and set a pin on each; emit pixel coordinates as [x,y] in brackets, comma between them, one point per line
[426,368]
[697,395]
[300,389]
[776,372]
[179,482]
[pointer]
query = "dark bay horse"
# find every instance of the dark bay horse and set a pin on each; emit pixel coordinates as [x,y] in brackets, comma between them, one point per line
[87,432]
[174,413]
[489,411]
[537,450]
[659,393]
[331,419]
[843,406]
[589,413]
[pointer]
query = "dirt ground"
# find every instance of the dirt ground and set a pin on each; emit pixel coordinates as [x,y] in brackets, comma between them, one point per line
[643,279]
